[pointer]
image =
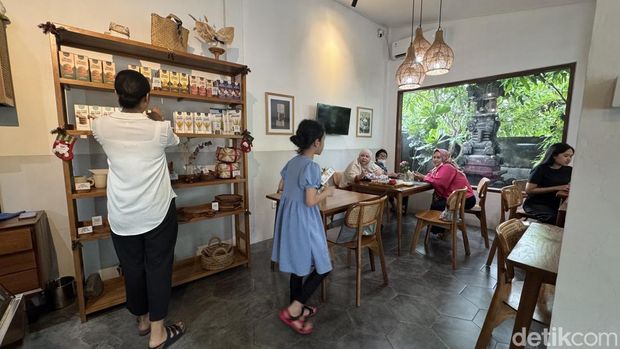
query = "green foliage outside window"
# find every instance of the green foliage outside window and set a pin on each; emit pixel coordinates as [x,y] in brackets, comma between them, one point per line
[532,105]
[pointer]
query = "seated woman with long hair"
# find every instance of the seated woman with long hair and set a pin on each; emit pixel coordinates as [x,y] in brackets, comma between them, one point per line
[547,178]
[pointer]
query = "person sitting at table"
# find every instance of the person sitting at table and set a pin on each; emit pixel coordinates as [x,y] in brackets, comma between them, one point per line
[359,168]
[446,177]
[380,159]
[547,178]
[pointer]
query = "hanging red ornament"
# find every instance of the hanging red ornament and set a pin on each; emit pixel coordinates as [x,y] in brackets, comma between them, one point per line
[63,145]
[246,141]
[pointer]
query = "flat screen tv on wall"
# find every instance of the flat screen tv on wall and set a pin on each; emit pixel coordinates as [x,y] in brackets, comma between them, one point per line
[335,119]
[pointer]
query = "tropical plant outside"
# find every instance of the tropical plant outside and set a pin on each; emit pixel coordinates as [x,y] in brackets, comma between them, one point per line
[531,106]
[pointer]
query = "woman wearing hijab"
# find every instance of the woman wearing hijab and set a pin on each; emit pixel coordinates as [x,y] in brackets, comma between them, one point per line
[359,168]
[446,177]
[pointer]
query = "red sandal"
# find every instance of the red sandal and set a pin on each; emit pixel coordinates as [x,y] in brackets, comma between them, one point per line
[311,310]
[297,323]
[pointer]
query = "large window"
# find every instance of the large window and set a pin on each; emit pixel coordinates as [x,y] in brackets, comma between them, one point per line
[496,127]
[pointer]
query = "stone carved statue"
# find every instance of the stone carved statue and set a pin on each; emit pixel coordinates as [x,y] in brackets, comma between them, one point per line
[481,151]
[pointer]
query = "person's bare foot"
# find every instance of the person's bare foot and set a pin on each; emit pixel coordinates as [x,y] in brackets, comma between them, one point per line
[144,325]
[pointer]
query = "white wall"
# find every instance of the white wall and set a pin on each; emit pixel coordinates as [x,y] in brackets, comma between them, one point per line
[321,52]
[586,297]
[505,43]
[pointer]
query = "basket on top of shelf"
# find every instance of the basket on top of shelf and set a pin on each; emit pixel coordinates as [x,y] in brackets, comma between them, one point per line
[217,255]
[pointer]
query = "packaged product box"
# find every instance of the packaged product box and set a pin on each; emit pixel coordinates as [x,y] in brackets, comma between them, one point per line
[107,111]
[216,123]
[96,70]
[174,81]
[109,71]
[215,88]
[184,83]
[67,64]
[134,67]
[164,76]
[189,122]
[207,123]
[146,71]
[193,84]
[227,123]
[202,86]
[82,123]
[156,80]
[199,123]
[179,122]
[95,111]
[81,68]
[118,109]
[235,120]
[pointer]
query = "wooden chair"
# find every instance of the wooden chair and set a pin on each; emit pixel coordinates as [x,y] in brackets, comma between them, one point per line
[520,183]
[480,209]
[511,204]
[507,294]
[456,205]
[362,217]
[337,178]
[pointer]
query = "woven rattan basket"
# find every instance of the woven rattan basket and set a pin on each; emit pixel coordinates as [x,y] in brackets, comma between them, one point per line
[168,32]
[217,255]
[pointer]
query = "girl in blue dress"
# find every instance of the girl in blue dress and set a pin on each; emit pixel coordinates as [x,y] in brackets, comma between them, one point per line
[299,242]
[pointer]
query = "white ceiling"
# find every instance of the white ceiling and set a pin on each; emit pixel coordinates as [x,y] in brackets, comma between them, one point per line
[397,13]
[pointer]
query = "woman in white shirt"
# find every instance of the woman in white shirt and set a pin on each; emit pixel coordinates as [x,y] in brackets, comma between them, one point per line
[141,207]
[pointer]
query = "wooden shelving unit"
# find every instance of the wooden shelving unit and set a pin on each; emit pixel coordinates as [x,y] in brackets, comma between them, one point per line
[185,270]
[69,83]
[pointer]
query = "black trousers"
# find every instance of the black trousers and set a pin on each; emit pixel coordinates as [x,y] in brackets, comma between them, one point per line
[146,260]
[302,290]
[543,213]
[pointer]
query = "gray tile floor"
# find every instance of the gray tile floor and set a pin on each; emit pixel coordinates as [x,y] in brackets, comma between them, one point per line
[426,305]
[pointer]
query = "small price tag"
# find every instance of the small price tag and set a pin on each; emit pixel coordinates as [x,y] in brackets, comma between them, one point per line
[85,230]
[97,221]
[237,129]
[82,186]
[236,173]
[174,176]
[215,206]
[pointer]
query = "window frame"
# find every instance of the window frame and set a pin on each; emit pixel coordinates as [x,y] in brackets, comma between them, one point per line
[569,98]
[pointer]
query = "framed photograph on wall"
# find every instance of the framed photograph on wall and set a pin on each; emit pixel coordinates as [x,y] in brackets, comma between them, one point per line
[279,113]
[364,122]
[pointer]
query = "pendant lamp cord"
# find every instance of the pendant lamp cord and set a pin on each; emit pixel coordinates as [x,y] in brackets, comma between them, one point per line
[421,4]
[412,18]
[440,6]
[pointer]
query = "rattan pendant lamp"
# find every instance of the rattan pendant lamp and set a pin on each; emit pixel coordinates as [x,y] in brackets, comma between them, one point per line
[410,75]
[420,44]
[439,57]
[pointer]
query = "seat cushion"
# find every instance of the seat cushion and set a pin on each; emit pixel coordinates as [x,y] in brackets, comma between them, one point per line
[474,209]
[432,216]
[344,233]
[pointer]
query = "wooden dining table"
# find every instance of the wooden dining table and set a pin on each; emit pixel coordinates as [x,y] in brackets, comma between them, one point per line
[538,254]
[337,203]
[397,192]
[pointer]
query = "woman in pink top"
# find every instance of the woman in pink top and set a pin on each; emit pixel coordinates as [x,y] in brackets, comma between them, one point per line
[446,177]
